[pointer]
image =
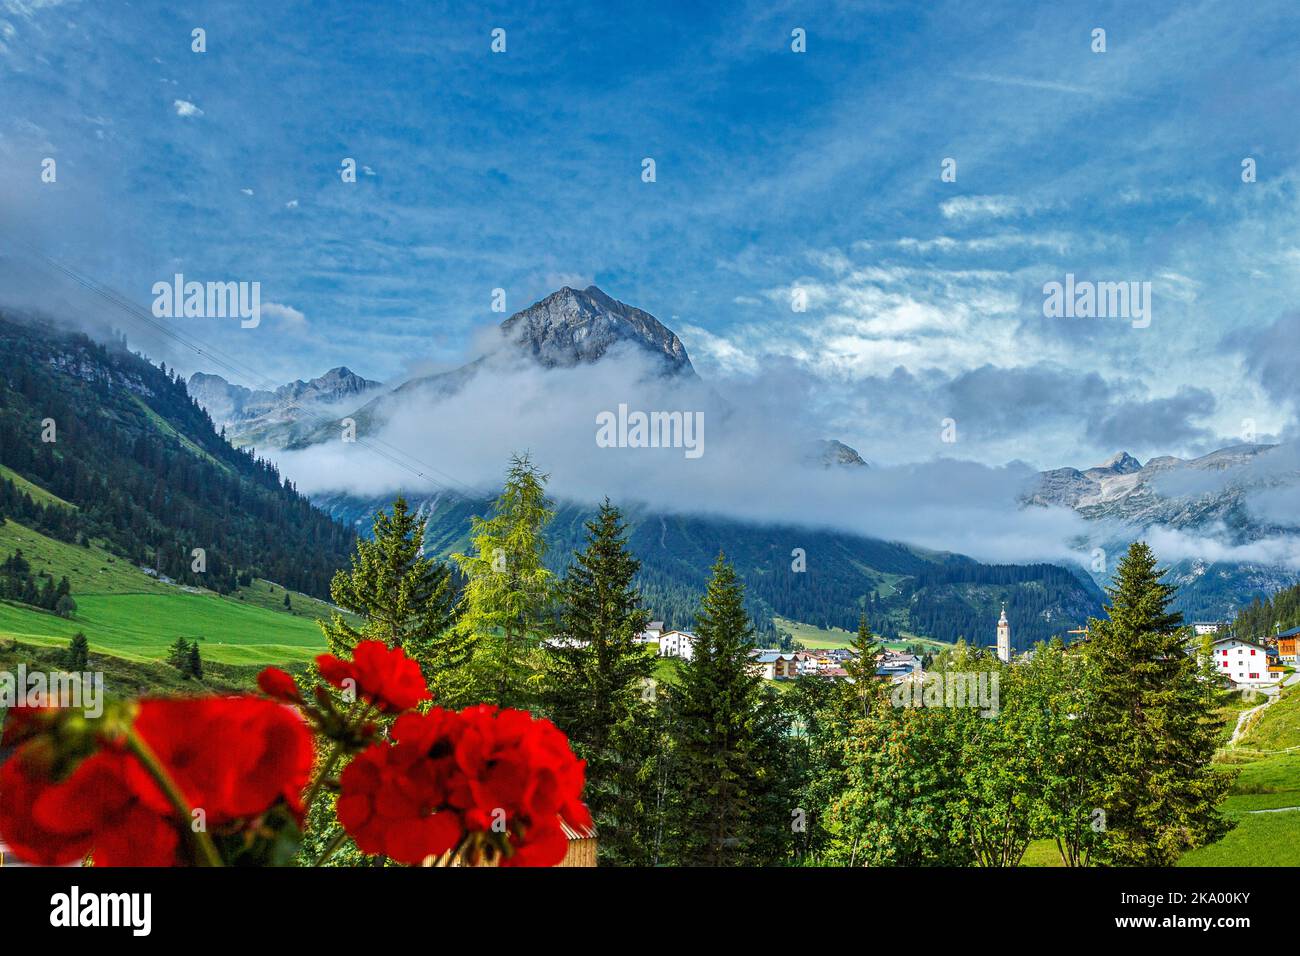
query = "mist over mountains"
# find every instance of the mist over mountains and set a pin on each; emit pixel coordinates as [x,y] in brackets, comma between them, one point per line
[1224,521]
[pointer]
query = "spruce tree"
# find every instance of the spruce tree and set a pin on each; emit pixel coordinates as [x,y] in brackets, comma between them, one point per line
[506,603]
[717,728]
[597,680]
[1151,728]
[194,662]
[178,655]
[77,657]
[404,599]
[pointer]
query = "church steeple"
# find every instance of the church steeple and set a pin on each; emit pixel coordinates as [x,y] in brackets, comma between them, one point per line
[1004,636]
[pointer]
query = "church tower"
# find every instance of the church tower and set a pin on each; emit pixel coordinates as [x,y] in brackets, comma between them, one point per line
[1004,636]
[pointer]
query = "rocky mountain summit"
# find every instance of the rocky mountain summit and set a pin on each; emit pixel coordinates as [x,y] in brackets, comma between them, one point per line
[1241,502]
[255,416]
[830,453]
[571,327]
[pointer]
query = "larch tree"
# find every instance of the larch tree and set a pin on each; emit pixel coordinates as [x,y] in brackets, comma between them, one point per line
[508,596]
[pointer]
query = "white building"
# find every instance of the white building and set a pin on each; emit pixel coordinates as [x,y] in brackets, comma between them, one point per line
[677,644]
[773,665]
[1245,663]
[1004,637]
[653,631]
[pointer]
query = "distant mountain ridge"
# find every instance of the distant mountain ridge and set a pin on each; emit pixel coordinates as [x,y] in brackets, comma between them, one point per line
[571,328]
[567,328]
[1237,497]
[258,416]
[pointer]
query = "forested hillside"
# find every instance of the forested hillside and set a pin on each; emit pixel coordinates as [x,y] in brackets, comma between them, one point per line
[1263,618]
[818,577]
[139,469]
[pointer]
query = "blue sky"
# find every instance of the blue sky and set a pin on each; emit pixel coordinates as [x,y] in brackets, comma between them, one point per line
[776,171]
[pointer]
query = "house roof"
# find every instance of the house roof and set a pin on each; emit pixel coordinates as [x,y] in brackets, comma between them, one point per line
[1294,632]
[1239,640]
[578,833]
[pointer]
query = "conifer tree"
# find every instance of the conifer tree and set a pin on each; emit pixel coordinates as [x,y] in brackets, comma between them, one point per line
[77,656]
[404,599]
[1152,730]
[506,603]
[194,662]
[178,655]
[862,667]
[717,735]
[597,680]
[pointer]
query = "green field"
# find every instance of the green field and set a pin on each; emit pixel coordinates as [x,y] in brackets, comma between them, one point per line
[130,614]
[90,570]
[140,627]
[815,638]
[1264,803]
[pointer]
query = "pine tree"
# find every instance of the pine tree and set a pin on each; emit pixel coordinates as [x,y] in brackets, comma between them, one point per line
[194,662]
[506,602]
[717,735]
[597,680]
[1152,730]
[862,667]
[77,657]
[178,656]
[403,599]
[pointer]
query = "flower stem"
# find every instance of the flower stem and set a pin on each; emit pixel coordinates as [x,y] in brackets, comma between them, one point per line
[335,842]
[153,766]
[356,716]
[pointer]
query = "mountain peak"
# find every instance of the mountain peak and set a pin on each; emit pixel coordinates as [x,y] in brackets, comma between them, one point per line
[1122,464]
[577,327]
[830,452]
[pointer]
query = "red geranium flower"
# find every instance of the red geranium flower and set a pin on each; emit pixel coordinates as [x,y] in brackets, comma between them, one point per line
[389,807]
[384,676]
[501,774]
[279,685]
[231,757]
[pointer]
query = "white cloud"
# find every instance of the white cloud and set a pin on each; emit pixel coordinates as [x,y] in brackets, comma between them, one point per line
[186,108]
[285,313]
[965,208]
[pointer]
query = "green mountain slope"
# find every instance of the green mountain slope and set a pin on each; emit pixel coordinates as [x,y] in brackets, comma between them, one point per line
[147,476]
[134,616]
